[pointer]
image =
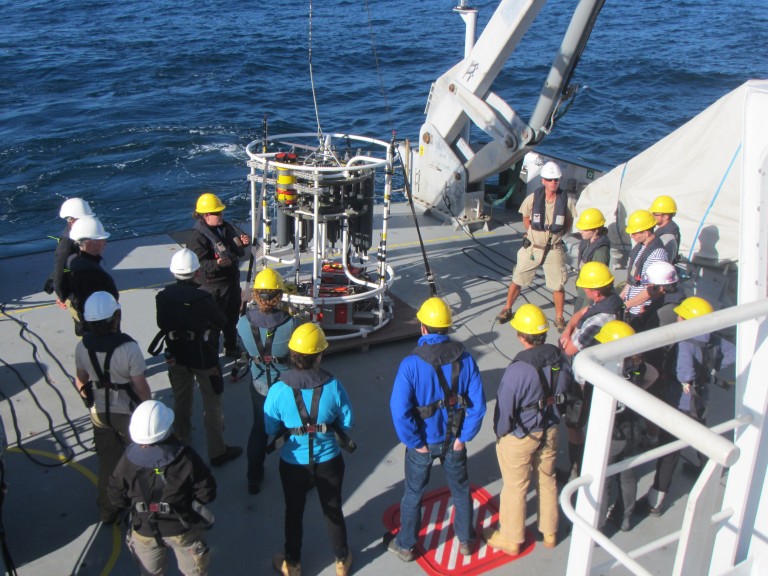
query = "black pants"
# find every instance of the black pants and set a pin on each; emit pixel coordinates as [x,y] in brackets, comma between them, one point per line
[297,481]
[228,298]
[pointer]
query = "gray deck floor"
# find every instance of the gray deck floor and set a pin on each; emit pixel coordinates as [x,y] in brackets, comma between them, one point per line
[50,513]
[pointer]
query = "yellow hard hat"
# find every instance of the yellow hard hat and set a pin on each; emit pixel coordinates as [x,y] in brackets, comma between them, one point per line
[529,319]
[639,221]
[663,205]
[614,330]
[590,219]
[209,203]
[594,275]
[308,338]
[435,313]
[693,307]
[268,279]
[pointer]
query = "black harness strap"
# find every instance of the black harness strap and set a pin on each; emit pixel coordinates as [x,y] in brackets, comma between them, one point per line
[309,419]
[265,350]
[548,400]
[152,504]
[452,401]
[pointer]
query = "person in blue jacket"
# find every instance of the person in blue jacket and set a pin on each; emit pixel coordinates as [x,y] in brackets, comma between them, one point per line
[526,422]
[310,409]
[264,332]
[437,406]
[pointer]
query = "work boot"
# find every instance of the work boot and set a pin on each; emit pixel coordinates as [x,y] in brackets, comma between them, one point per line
[560,324]
[282,566]
[230,453]
[343,564]
[550,540]
[505,316]
[495,539]
[466,548]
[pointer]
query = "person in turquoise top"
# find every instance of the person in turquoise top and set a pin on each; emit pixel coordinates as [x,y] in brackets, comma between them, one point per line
[264,333]
[309,408]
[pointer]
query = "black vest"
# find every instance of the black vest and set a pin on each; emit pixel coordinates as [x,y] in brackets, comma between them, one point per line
[610,305]
[539,212]
[587,248]
[636,263]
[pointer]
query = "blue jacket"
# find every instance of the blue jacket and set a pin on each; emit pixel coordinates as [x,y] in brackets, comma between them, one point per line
[280,412]
[279,344]
[521,386]
[416,384]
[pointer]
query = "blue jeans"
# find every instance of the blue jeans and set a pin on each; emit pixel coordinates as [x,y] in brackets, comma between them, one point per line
[417,469]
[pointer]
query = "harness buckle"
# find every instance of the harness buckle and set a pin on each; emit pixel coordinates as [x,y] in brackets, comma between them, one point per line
[311,429]
[267,359]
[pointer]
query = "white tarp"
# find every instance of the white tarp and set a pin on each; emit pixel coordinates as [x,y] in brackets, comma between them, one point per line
[699,165]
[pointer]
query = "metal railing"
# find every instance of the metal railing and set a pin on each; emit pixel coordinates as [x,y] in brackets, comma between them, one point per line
[694,549]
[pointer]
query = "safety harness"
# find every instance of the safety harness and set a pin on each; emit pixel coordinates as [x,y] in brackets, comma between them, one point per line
[309,425]
[265,361]
[107,344]
[455,404]
[670,229]
[548,399]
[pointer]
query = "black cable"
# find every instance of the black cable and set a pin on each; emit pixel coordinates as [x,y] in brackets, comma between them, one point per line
[406,181]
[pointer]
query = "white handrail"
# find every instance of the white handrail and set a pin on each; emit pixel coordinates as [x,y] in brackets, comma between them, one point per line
[588,364]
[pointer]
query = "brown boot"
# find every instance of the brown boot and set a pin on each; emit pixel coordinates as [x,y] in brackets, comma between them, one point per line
[282,566]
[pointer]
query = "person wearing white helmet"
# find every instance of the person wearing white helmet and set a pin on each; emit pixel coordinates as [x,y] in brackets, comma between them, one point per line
[219,247]
[109,375]
[71,211]
[165,485]
[86,273]
[547,216]
[189,322]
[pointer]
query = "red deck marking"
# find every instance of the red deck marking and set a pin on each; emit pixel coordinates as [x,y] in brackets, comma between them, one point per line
[439,549]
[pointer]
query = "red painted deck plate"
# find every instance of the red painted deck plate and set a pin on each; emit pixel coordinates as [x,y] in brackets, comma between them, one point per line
[439,549]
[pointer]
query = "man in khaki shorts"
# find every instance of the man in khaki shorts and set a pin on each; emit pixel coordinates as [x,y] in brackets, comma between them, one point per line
[548,215]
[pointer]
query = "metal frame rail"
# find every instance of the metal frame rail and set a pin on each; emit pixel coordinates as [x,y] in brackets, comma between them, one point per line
[701,520]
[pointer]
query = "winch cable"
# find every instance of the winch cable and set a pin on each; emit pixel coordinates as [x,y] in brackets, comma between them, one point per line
[256,219]
[533,288]
[427,270]
[312,79]
[378,70]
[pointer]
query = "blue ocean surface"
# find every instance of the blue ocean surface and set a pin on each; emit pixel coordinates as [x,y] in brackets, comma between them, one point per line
[139,107]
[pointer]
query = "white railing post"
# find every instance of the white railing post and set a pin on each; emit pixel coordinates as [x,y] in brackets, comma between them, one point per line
[597,449]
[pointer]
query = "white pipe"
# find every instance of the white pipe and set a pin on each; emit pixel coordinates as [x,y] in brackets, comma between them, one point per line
[588,365]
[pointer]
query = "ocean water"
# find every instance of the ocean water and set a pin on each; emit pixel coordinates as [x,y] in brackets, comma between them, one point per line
[139,107]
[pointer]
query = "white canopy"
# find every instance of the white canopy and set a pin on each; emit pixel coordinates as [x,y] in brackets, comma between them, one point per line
[699,165]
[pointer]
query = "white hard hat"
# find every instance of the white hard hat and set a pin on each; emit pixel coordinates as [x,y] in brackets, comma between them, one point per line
[151,422]
[184,264]
[88,228]
[659,274]
[100,306]
[75,208]
[551,170]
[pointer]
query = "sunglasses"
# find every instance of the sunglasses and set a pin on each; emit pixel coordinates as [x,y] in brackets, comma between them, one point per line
[551,179]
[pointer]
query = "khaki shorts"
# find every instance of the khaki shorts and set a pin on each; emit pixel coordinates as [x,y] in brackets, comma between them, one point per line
[529,260]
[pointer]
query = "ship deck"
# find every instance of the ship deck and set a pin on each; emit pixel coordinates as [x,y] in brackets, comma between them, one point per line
[50,515]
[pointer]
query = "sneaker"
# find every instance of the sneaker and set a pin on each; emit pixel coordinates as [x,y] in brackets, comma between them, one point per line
[230,453]
[560,324]
[404,554]
[466,548]
[342,566]
[282,566]
[505,316]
